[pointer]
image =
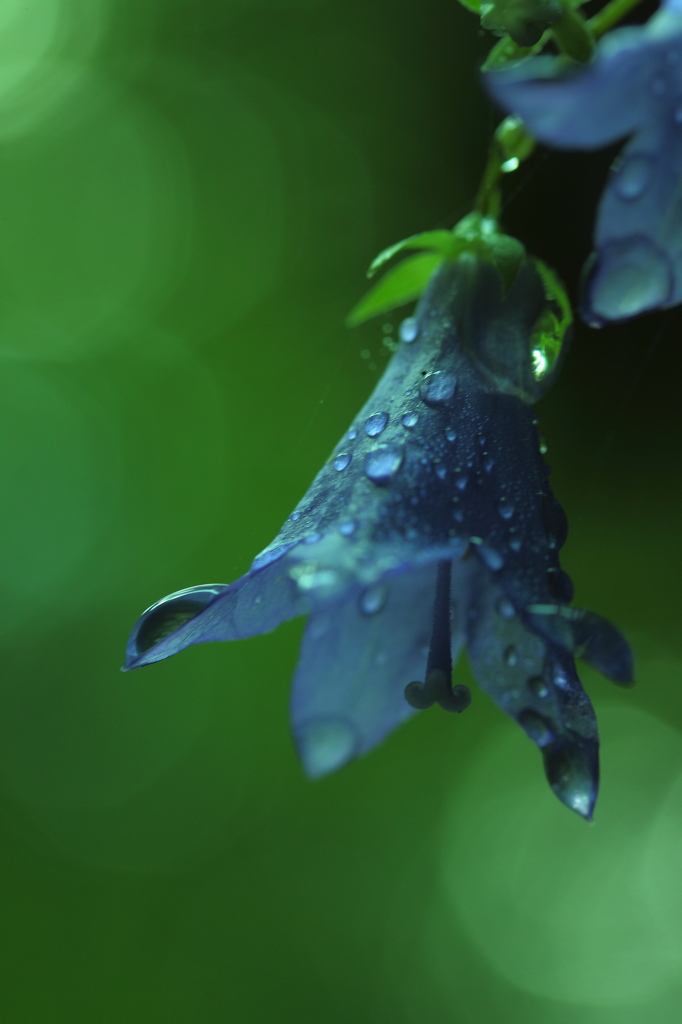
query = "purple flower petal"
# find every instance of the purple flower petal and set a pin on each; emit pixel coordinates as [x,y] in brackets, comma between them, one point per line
[632,88]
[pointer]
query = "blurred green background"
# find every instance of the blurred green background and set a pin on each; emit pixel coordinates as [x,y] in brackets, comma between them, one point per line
[190,192]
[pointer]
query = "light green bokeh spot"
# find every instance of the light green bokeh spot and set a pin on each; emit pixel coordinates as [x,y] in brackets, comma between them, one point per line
[578,896]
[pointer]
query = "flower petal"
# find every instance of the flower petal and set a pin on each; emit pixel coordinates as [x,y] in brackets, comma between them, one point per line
[355,663]
[579,108]
[256,603]
[536,684]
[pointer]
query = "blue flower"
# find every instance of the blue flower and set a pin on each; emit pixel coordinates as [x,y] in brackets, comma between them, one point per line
[431,526]
[632,88]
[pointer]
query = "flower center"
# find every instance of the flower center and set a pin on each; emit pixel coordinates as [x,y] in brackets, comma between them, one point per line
[437,687]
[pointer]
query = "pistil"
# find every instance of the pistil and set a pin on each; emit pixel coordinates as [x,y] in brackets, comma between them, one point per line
[437,687]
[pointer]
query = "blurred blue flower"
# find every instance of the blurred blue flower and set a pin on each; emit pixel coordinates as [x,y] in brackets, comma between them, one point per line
[431,526]
[632,88]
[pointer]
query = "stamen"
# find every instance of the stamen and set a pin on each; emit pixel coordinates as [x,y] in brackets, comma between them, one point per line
[437,687]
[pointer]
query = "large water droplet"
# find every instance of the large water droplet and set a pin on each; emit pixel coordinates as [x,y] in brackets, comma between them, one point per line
[450,435]
[438,387]
[375,423]
[537,727]
[325,744]
[630,276]
[382,464]
[409,329]
[373,599]
[352,434]
[410,419]
[342,461]
[505,508]
[573,774]
[163,618]
[633,177]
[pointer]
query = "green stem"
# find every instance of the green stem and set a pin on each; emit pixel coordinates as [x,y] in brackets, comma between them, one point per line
[488,198]
[611,15]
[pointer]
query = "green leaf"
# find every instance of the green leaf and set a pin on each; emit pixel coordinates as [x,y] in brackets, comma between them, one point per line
[441,242]
[402,283]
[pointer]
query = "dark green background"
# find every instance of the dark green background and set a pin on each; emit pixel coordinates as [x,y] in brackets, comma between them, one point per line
[190,191]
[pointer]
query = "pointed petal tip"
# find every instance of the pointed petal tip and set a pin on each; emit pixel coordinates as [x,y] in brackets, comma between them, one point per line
[572,769]
[325,745]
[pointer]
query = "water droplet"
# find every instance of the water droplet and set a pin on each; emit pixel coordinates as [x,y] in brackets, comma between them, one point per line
[295,516]
[270,555]
[441,471]
[630,276]
[573,774]
[438,387]
[409,419]
[489,556]
[505,608]
[348,527]
[461,481]
[409,329]
[538,687]
[352,434]
[658,86]
[375,423]
[515,544]
[633,177]
[511,657]
[537,727]
[312,538]
[450,435]
[382,464]
[481,441]
[169,614]
[488,464]
[373,599]
[310,577]
[324,744]
[505,508]
[560,678]
[341,461]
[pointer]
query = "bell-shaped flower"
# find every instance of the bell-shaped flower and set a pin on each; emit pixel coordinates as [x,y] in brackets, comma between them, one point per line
[432,526]
[633,88]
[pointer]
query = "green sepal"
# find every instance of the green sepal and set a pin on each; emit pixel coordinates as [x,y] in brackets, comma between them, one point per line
[506,51]
[406,281]
[403,283]
[435,241]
